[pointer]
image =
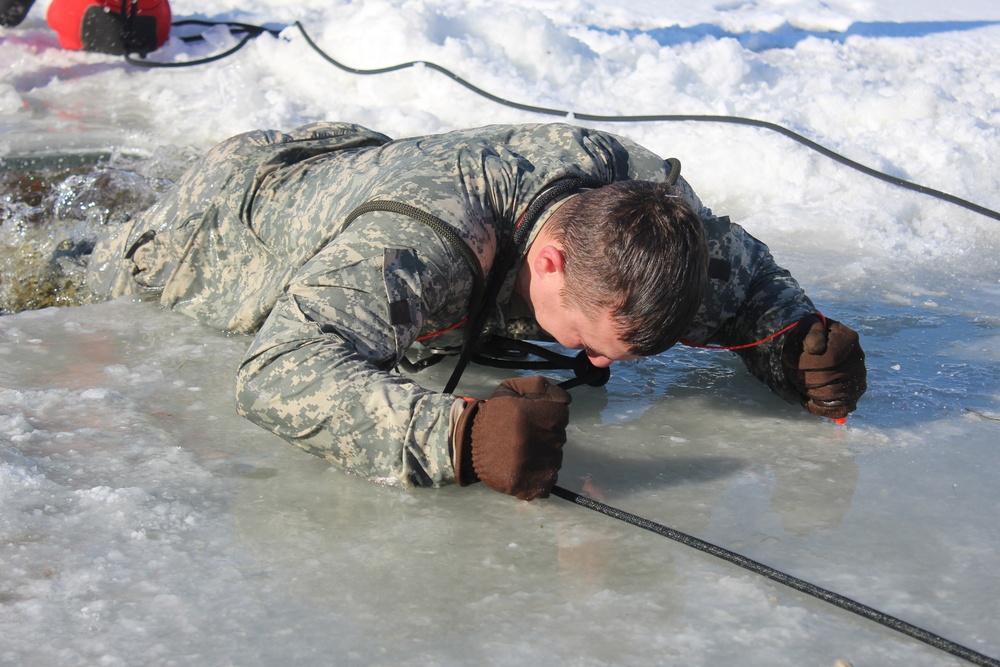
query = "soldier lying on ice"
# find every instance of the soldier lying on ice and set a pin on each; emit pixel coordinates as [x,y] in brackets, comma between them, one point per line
[348,254]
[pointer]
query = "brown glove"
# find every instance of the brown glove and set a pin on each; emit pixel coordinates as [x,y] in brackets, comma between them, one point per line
[825,362]
[512,442]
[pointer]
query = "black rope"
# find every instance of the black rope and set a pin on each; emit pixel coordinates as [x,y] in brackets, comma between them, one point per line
[251,31]
[234,26]
[776,575]
[219,56]
[254,31]
[736,120]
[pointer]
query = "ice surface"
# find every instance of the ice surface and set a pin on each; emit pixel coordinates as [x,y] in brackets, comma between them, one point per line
[143,522]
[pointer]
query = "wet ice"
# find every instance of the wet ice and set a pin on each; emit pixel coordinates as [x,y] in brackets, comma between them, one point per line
[143,522]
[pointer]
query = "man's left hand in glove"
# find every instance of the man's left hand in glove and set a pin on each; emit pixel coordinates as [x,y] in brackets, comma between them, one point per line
[824,361]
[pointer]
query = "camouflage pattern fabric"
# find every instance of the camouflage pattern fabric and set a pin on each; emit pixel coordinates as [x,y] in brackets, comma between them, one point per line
[253,240]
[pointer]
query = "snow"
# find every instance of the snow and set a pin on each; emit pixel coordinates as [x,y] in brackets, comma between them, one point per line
[143,522]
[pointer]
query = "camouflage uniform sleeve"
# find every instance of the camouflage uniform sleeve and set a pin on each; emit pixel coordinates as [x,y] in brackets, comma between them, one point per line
[320,371]
[749,298]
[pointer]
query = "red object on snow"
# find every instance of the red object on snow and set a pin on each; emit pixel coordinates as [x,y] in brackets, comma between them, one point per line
[102,26]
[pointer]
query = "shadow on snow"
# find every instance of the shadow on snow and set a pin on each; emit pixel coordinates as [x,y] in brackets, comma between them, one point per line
[788,36]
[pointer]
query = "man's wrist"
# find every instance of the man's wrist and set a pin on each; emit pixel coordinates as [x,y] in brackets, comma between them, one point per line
[463,413]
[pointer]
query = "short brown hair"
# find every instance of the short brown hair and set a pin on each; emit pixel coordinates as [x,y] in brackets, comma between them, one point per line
[637,248]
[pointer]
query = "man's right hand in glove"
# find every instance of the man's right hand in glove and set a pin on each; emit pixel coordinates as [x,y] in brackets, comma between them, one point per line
[513,441]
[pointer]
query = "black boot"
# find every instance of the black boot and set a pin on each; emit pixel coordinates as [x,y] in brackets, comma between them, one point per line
[13,12]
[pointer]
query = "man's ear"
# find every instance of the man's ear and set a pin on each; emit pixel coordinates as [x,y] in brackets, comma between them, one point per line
[550,261]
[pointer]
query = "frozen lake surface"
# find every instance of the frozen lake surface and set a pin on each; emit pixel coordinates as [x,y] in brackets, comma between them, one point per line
[143,522]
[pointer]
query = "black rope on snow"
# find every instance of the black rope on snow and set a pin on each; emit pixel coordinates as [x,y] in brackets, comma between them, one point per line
[234,26]
[203,61]
[736,120]
[251,31]
[254,31]
[782,578]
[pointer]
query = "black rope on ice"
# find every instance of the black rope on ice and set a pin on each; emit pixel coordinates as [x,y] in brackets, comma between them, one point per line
[800,585]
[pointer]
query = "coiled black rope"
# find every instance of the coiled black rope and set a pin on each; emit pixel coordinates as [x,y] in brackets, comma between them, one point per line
[782,578]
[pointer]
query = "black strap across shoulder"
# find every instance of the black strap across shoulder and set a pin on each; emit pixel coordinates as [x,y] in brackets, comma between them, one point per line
[485,291]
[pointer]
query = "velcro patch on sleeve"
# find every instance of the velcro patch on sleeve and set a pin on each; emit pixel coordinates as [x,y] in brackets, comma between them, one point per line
[399,313]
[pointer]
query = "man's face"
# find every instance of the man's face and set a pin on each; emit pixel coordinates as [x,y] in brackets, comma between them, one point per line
[594,333]
[542,284]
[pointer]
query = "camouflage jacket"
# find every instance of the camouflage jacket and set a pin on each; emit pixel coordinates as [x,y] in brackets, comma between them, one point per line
[320,241]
